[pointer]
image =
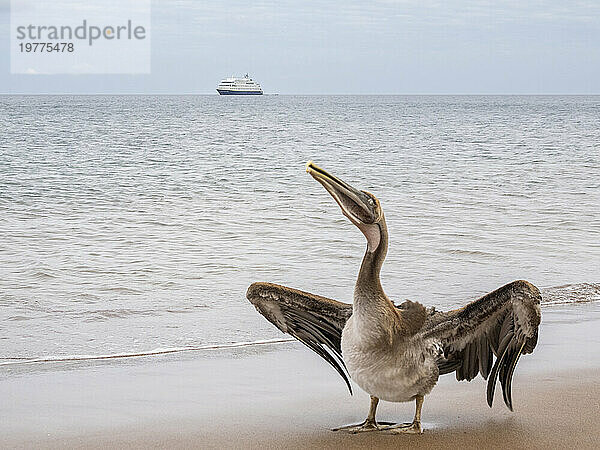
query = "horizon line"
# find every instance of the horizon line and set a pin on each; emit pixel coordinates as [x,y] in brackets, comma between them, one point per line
[299,94]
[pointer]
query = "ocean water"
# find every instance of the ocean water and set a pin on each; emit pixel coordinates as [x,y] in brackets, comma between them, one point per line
[135,223]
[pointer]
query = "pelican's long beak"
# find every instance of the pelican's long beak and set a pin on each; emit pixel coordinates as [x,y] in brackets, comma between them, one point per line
[359,207]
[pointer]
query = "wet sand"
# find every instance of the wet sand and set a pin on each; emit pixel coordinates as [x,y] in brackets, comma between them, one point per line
[283,396]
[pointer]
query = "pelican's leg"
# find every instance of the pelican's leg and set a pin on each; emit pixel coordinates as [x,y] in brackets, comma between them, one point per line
[409,428]
[370,424]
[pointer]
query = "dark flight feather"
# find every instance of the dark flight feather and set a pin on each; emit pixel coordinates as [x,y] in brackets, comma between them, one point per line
[503,323]
[315,321]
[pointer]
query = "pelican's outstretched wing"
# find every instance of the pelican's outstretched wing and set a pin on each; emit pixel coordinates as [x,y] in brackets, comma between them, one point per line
[503,323]
[315,321]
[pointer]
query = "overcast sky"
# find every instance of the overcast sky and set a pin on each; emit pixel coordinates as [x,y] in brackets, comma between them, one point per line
[354,47]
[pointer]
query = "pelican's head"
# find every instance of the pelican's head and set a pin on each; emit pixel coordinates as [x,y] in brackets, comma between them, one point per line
[361,207]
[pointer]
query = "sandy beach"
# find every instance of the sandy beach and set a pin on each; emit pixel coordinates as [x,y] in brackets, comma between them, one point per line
[283,396]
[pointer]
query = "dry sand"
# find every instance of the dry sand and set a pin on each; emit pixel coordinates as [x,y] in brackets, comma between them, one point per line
[283,396]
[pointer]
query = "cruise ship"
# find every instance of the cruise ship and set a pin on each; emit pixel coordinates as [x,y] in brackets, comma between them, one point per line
[239,86]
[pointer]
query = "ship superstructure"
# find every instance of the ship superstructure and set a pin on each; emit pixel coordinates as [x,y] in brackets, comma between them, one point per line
[239,86]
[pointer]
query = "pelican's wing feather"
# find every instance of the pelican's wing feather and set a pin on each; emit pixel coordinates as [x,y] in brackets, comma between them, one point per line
[315,321]
[503,323]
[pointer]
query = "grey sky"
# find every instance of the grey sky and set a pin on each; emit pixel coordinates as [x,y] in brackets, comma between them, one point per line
[354,47]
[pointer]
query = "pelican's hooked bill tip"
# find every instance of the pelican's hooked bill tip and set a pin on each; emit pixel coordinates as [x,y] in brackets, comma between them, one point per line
[308,165]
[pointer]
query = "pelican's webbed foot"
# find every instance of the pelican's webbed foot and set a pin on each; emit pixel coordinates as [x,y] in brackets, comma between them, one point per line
[367,425]
[370,424]
[409,428]
[404,428]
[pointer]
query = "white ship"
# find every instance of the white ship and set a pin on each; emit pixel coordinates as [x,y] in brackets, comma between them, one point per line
[239,86]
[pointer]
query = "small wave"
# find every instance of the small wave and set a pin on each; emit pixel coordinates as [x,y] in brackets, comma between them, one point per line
[106,314]
[18,318]
[41,274]
[571,293]
[158,351]
[458,251]
[122,290]
[160,223]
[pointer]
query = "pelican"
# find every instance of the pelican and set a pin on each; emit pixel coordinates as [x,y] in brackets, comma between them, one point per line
[394,352]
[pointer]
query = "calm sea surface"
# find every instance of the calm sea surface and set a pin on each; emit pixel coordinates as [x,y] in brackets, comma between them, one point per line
[134,223]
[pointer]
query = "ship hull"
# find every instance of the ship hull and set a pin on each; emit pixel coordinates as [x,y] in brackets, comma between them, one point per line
[226,92]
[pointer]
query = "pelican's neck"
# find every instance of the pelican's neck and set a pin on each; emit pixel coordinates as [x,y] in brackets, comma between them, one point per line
[368,290]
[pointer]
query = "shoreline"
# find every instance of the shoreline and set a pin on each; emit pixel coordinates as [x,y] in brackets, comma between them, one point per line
[285,396]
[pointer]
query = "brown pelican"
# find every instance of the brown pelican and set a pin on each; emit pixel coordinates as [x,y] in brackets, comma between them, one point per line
[396,353]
